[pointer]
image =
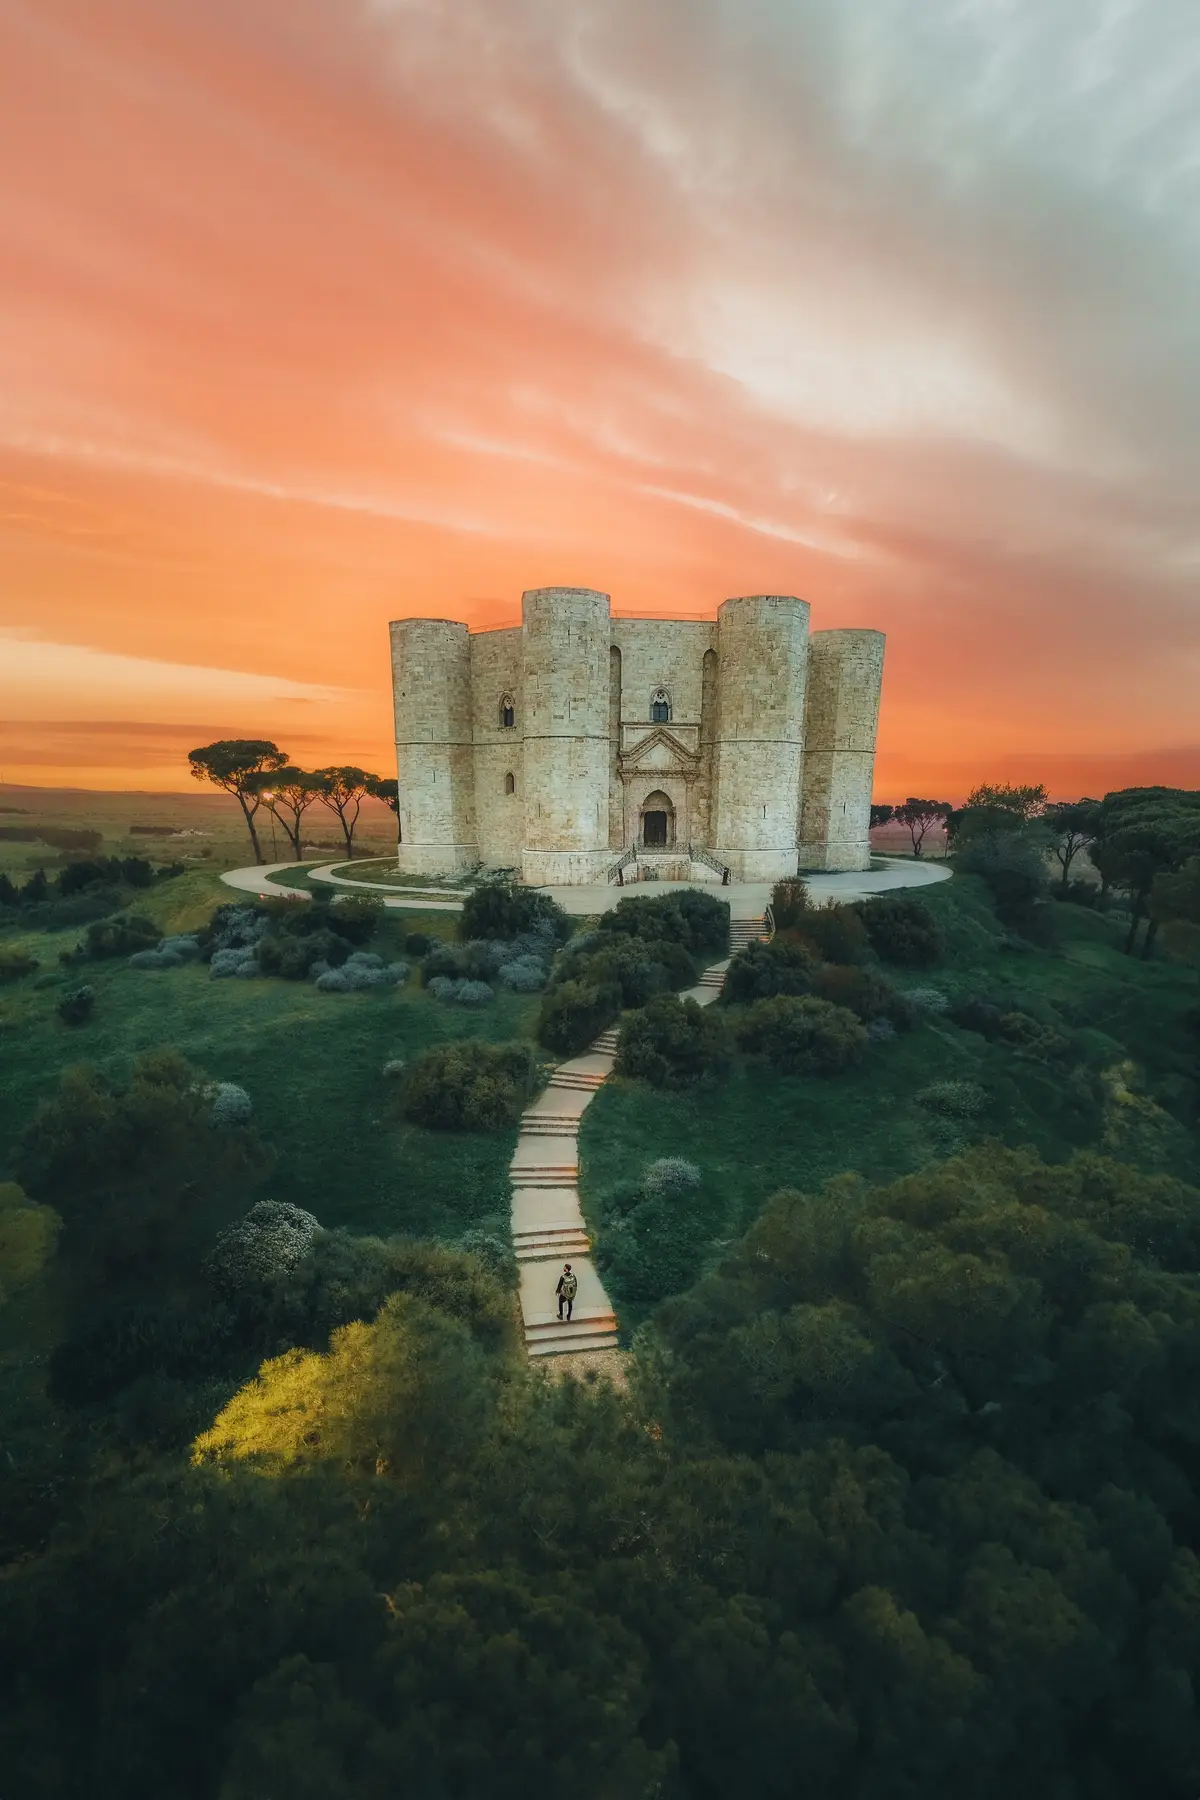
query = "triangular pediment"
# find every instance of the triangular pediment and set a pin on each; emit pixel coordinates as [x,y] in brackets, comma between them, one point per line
[659,749]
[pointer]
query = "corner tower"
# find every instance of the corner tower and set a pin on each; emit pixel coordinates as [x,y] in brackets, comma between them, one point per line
[431,693]
[845,676]
[566,641]
[762,654]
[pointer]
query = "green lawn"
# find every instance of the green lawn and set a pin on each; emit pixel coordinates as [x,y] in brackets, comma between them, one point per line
[311,1062]
[758,1131]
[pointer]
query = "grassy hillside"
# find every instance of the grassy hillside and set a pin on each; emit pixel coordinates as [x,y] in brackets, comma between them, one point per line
[1124,1083]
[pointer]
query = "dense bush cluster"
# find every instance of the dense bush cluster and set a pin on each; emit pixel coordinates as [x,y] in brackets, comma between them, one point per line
[76,1006]
[469,1085]
[866,993]
[299,942]
[168,953]
[361,969]
[673,1043]
[231,1104]
[802,1036]
[14,964]
[260,1248]
[572,1013]
[504,911]
[82,891]
[696,921]
[121,936]
[520,963]
[462,992]
[762,970]
[901,930]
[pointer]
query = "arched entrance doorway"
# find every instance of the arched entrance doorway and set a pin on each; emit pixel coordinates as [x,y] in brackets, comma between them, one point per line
[658,822]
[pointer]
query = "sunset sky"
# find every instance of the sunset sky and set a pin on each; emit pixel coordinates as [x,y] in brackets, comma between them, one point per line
[316,313]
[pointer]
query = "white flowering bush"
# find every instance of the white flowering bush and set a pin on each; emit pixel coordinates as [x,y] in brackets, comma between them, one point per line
[460,993]
[363,969]
[880,1031]
[269,1242]
[525,975]
[669,1178]
[231,1104]
[954,1099]
[927,999]
[394,1068]
[238,964]
[171,953]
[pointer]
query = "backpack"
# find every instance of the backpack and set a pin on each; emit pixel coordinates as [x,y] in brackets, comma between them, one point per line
[570,1286]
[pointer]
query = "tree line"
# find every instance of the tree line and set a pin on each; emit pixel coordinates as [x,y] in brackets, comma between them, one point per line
[258,773]
[1143,843]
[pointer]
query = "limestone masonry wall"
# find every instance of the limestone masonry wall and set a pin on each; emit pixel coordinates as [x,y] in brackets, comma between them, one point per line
[543,747]
[762,655]
[845,673]
[431,684]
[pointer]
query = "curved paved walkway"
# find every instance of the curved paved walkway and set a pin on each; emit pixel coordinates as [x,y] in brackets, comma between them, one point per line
[253,881]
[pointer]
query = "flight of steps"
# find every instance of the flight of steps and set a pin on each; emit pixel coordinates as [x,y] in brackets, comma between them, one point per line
[578,1081]
[712,979]
[543,1124]
[606,1043]
[547,1243]
[586,1331]
[745,931]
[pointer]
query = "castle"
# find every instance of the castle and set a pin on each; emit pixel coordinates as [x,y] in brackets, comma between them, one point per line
[575,743]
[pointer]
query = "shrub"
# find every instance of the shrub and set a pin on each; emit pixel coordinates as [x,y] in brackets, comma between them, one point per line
[363,969]
[356,917]
[493,1251]
[14,964]
[271,1239]
[469,1086]
[442,962]
[1013,863]
[954,1099]
[762,970]
[231,1104]
[76,1007]
[669,1178]
[234,927]
[121,936]
[1031,1037]
[639,967]
[575,1012]
[866,993]
[416,944]
[695,920]
[171,953]
[673,1043]
[976,1014]
[498,909]
[395,1066]
[928,1000]
[836,933]
[294,957]
[881,1031]
[525,975]
[901,930]
[803,1036]
[240,964]
[789,903]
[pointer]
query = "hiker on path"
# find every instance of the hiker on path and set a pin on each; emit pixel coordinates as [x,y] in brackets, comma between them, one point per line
[568,1287]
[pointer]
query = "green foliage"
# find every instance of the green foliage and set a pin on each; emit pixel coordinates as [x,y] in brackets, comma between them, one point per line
[1012,861]
[790,901]
[500,909]
[920,816]
[1022,802]
[28,1235]
[14,964]
[902,930]
[954,1099]
[864,992]
[574,1012]
[76,1006]
[469,1086]
[639,967]
[293,956]
[121,936]
[802,1036]
[761,970]
[837,933]
[130,1165]
[697,921]
[673,1043]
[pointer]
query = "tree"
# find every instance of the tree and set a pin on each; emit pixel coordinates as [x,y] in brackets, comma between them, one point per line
[1133,856]
[236,766]
[288,793]
[1026,802]
[343,790]
[389,792]
[919,815]
[1074,824]
[1175,904]
[880,815]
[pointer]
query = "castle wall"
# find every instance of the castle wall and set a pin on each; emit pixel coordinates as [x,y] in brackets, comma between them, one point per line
[497,670]
[842,713]
[565,697]
[762,651]
[666,655]
[431,686]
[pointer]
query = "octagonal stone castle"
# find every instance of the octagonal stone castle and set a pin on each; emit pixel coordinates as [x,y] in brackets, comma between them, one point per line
[576,742]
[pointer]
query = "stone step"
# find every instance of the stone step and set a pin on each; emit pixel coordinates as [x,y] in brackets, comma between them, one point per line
[606,1044]
[544,1234]
[579,1084]
[574,1343]
[543,1125]
[551,1252]
[563,1177]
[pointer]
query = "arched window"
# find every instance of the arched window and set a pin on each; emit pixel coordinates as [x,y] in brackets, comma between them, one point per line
[510,783]
[660,708]
[508,712]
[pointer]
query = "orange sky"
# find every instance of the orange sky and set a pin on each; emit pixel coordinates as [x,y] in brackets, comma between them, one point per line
[315,313]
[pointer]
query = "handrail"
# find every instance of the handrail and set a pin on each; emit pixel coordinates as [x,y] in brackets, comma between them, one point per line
[769,922]
[623,861]
[697,854]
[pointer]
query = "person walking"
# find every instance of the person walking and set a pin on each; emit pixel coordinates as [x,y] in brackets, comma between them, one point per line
[568,1287]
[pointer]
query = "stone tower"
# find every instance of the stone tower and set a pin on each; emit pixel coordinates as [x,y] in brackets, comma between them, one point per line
[762,656]
[845,674]
[431,684]
[565,690]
